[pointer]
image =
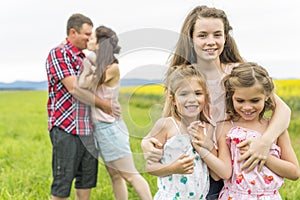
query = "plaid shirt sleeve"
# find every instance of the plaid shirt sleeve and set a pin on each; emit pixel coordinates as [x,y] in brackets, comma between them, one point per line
[60,65]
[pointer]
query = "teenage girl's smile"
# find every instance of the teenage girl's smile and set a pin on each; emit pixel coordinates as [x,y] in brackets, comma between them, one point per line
[211,51]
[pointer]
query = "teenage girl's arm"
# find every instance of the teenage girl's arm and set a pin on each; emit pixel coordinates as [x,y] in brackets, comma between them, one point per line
[259,148]
[183,165]
[220,165]
[287,166]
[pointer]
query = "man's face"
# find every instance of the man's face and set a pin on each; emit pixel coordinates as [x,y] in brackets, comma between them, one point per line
[81,38]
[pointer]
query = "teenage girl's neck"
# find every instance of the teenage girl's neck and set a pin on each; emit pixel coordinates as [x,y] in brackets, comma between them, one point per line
[212,69]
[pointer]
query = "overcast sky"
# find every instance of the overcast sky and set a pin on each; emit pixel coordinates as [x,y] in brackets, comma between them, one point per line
[266,31]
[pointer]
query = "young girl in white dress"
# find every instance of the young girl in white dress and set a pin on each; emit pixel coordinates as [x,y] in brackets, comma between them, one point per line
[182,173]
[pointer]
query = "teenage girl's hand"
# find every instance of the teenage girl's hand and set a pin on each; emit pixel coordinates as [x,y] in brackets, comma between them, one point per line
[244,149]
[183,165]
[256,154]
[152,149]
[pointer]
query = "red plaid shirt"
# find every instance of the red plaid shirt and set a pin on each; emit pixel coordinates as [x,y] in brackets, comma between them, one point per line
[64,111]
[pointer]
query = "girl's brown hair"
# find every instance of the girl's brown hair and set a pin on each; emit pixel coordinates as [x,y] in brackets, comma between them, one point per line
[108,46]
[247,75]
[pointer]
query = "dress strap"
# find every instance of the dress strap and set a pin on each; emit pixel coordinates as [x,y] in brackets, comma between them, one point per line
[175,124]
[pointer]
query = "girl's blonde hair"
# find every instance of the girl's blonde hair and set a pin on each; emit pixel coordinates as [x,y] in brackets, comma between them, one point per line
[247,75]
[174,80]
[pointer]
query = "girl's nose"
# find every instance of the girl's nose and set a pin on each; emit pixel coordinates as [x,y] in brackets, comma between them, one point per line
[210,40]
[247,106]
[192,98]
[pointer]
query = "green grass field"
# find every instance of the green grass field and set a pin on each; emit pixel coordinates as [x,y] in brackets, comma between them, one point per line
[25,148]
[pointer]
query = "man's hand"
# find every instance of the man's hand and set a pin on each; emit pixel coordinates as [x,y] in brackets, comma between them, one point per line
[116,110]
[256,154]
[151,153]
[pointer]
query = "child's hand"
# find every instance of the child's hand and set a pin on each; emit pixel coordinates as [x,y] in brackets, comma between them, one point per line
[183,165]
[197,131]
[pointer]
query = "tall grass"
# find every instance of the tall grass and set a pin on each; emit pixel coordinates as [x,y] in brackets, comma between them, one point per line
[25,147]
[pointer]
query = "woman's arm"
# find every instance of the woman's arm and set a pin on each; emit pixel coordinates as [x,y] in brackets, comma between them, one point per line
[287,166]
[259,148]
[87,78]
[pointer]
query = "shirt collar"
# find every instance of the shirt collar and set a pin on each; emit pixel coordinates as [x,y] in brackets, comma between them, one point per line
[74,49]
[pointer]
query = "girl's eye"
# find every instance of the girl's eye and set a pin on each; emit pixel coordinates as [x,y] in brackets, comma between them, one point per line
[202,35]
[255,100]
[198,93]
[239,100]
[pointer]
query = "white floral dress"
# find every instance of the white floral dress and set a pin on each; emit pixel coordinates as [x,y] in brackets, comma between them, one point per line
[182,186]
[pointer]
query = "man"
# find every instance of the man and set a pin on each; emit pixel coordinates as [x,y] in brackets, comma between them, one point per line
[74,155]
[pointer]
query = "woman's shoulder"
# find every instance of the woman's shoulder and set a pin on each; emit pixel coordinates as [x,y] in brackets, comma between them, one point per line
[113,67]
[112,74]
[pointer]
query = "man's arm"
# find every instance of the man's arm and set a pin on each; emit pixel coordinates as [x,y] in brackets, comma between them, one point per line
[87,97]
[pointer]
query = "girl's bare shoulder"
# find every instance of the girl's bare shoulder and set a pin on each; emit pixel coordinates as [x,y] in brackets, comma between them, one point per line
[223,127]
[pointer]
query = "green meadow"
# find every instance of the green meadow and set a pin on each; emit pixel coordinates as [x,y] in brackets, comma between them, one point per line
[25,147]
